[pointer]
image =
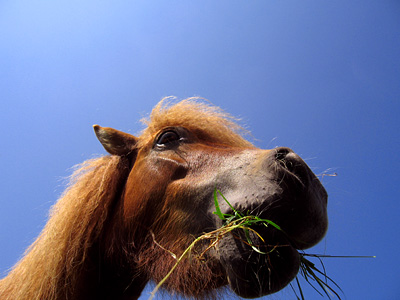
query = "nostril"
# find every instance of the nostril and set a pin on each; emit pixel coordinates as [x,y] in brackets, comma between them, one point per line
[281,152]
[291,162]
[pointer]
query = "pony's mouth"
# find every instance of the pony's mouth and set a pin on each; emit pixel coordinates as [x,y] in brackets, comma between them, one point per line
[257,267]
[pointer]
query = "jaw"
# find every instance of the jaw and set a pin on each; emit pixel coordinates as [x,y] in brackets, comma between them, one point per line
[251,274]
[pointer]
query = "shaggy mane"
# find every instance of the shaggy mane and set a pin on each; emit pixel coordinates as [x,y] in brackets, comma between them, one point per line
[51,266]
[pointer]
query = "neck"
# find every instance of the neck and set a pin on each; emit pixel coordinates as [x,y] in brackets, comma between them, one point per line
[66,261]
[104,279]
[113,271]
[94,278]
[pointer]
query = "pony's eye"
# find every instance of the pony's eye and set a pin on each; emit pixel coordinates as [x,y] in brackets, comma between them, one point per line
[167,138]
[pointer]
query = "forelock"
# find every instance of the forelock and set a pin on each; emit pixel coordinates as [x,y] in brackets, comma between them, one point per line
[208,122]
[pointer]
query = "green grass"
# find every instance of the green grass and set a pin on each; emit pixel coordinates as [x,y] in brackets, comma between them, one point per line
[316,277]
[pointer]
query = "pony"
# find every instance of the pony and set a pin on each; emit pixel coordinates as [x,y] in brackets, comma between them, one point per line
[126,216]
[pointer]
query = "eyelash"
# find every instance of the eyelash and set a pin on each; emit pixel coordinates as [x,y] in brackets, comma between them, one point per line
[167,137]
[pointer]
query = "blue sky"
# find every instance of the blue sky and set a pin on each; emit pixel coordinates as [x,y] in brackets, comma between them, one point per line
[321,77]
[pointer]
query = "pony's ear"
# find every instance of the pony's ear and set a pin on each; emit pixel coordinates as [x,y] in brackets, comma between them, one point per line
[114,141]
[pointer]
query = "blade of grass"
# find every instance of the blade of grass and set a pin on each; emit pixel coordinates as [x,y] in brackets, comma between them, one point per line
[309,268]
[217,209]
[338,256]
[226,200]
[246,232]
[270,223]
[162,281]
[301,291]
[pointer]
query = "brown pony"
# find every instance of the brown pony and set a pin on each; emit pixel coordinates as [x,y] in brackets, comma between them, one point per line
[123,215]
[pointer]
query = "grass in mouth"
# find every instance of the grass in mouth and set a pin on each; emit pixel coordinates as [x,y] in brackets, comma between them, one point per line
[316,277]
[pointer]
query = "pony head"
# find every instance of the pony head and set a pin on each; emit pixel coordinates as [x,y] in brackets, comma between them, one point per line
[187,152]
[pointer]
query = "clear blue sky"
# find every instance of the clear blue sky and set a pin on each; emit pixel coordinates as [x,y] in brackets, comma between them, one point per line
[322,77]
